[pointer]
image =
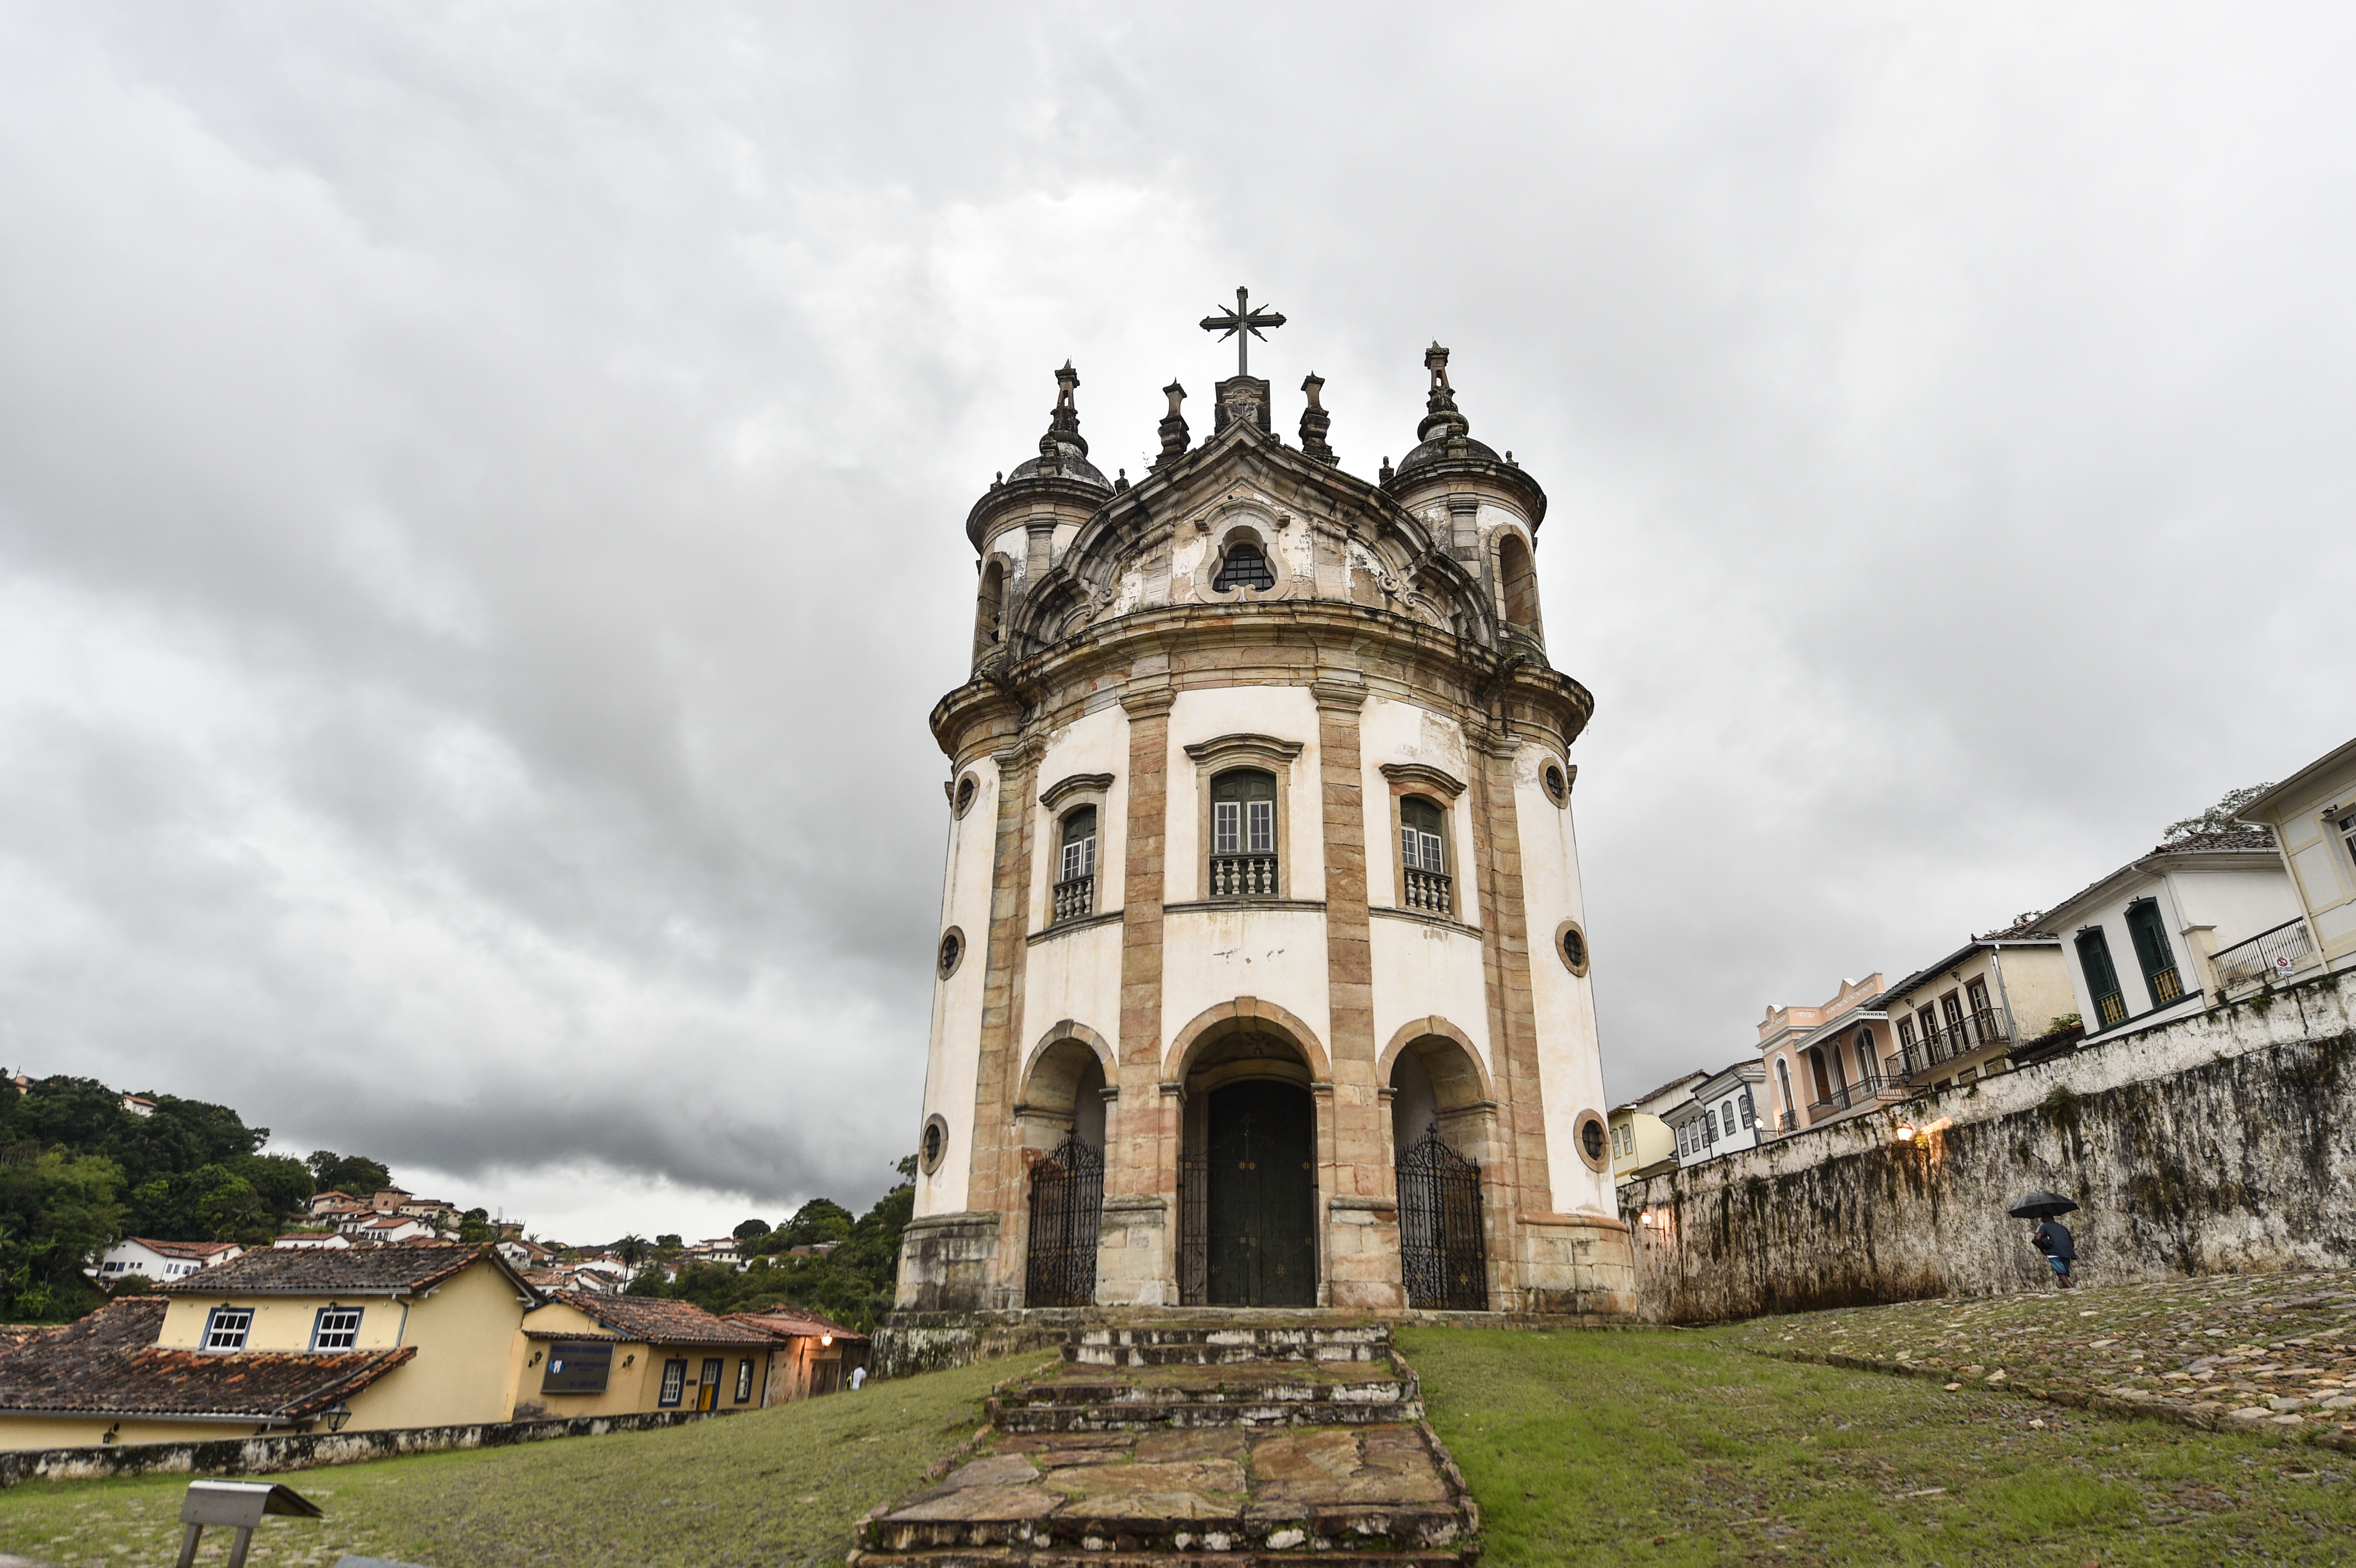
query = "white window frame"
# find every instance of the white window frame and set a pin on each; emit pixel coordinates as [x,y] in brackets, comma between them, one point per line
[674,1385]
[1079,859]
[1226,827]
[227,1328]
[344,1327]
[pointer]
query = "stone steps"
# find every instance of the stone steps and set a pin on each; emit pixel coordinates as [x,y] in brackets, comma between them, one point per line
[1208,1443]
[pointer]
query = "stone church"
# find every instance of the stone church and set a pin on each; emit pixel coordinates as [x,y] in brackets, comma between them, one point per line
[1263,974]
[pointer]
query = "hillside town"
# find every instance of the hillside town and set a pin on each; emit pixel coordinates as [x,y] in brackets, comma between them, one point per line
[2256,894]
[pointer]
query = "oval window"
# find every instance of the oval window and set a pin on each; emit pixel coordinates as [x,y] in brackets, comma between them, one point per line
[967,789]
[1558,787]
[935,1144]
[1591,1137]
[952,951]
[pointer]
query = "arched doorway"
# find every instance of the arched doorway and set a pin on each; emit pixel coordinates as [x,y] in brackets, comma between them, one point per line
[1063,1100]
[1248,1178]
[1442,1127]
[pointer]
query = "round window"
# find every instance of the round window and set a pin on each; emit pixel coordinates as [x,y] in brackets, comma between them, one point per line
[1571,946]
[935,1144]
[952,951]
[1594,1141]
[966,790]
[1558,787]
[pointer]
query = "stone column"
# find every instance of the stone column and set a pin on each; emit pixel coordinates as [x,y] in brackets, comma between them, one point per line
[1136,1249]
[1527,1188]
[996,1187]
[1361,1268]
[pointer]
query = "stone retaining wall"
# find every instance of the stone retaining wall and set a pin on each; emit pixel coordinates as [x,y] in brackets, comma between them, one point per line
[267,1456]
[2218,1143]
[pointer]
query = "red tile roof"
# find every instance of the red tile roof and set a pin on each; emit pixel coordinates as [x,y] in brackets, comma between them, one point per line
[109,1365]
[327,1271]
[793,1320]
[654,1321]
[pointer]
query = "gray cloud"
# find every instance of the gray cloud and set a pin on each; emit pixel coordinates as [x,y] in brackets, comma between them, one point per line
[480,500]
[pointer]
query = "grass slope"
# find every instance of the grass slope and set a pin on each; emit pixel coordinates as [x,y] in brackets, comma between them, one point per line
[1678,1448]
[781,1485]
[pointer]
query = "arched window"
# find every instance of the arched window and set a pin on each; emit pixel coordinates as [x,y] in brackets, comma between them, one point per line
[1243,835]
[2102,979]
[2153,953]
[1519,577]
[1244,566]
[1076,871]
[1423,857]
[989,608]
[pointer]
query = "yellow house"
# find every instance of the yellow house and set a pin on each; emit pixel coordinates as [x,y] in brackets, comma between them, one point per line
[1642,1143]
[280,1340]
[617,1355]
[1967,1016]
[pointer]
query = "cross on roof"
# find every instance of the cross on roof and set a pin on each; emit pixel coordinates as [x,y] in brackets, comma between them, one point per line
[1243,324]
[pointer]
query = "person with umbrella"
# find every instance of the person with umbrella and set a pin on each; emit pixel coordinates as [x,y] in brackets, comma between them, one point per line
[2051,1236]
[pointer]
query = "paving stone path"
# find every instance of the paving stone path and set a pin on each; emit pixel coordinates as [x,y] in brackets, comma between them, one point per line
[2275,1351]
[1227,1444]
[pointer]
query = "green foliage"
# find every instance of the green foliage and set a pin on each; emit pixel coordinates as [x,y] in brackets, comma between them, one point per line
[746,1229]
[2218,818]
[211,1203]
[2062,1021]
[58,1210]
[356,1174]
[280,1181]
[669,1242]
[852,1283]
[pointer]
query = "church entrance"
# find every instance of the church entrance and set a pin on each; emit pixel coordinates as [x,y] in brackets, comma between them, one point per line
[1262,1224]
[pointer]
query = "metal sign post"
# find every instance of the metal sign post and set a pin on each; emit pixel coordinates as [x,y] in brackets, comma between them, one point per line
[241,1505]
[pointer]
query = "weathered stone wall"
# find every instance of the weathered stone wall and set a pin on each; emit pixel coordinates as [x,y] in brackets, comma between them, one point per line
[2223,1143]
[304,1451]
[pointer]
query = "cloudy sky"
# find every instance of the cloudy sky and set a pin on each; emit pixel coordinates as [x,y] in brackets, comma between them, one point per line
[481,493]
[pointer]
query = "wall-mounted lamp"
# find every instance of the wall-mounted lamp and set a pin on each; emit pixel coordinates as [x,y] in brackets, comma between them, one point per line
[1905,1133]
[335,1414]
[535,1359]
[627,1360]
[826,1339]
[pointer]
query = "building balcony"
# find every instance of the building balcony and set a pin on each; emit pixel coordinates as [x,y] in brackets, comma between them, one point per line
[2263,959]
[1430,891]
[1075,899]
[1243,876]
[1970,1041]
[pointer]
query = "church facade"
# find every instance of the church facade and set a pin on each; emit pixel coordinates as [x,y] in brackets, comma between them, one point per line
[1263,975]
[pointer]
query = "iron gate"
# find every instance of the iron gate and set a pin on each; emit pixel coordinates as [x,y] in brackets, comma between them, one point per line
[1194,1230]
[1067,1204]
[1440,1251]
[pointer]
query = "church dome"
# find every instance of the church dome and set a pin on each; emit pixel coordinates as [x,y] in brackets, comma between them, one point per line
[1071,459]
[1446,448]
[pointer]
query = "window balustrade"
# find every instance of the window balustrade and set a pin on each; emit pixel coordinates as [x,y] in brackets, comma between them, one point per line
[1430,891]
[1075,899]
[1243,876]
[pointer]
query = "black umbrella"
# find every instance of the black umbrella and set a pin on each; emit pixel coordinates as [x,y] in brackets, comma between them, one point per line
[2041,1206]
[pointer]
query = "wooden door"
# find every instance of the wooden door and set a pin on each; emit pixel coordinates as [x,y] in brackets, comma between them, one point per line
[1262,1218]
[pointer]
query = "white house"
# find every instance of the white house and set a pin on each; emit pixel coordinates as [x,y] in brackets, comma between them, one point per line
[389,1228]
[2312,814]
[2141,939]
[1722,1116]
[162,1261]
[329,1240]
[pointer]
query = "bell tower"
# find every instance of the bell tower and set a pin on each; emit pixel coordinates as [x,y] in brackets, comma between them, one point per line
[1263,975]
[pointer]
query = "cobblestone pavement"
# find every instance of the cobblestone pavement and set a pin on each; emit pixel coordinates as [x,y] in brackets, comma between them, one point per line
[2275,1351]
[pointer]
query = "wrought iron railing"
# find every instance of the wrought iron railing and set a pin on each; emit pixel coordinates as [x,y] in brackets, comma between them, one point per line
[1839,1099]
[2167,986]
[1787,1121]
[1988,1026]
[1194,1230]
[1067,1204]
[1243,876]
[2110,1008]
[1075,898]
[2269,956]
[1443,1256]
[1429,891]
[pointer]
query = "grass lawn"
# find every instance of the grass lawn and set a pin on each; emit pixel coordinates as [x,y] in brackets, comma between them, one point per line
[782,1486]
[1678,1447]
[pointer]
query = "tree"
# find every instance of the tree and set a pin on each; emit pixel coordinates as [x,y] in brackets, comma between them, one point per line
[475,1225]
[212,1203]
[353,1173]
[748,1230]
[819,1220]
[669,1242]
[2218,818]
[58,1213]
[280,1181]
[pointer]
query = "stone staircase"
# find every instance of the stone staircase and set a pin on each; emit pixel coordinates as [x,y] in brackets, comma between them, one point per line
[1218,1442]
